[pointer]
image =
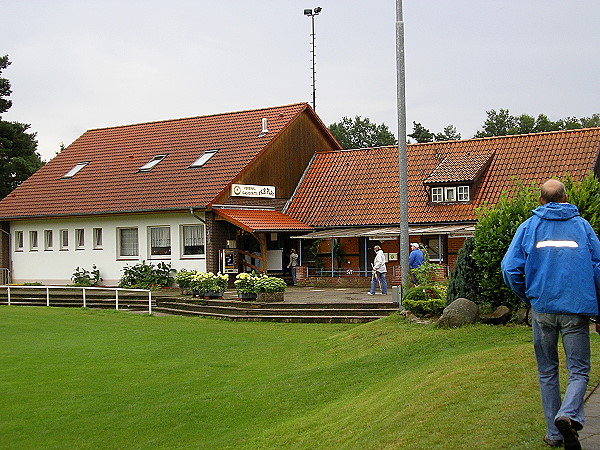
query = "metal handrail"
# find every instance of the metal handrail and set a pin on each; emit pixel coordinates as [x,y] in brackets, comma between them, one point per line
[83,289]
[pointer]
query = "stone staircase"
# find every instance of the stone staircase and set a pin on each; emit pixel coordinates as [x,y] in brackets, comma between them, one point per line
[230,308]
[334,312]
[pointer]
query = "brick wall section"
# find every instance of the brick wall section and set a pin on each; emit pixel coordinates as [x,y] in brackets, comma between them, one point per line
[4,245]
[454,245]
[216,240]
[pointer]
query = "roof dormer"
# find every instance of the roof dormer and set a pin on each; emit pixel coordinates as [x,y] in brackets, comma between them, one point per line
[455,178]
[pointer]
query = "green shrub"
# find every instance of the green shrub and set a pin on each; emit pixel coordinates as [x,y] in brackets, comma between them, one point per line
[147,276]
[425,292]
[269,284]
[433,306]
[428,273]
[464,279]
[82,277]
[423,300]
[183,278]
[496,226]
[585,194]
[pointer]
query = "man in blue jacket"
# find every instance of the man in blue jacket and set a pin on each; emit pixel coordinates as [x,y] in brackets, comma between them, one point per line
[415,259]
[553,265]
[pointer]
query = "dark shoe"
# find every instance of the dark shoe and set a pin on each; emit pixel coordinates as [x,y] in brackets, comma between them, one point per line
[570,436]
[553,442]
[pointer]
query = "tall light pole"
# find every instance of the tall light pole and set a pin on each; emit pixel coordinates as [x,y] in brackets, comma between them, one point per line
[402,163]
[312,13]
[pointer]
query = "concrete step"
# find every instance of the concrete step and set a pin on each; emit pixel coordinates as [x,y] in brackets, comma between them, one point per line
[280,312]
[270,318]
[278,305]
[279,309]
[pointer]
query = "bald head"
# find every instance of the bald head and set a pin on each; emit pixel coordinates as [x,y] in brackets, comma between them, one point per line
[553,191]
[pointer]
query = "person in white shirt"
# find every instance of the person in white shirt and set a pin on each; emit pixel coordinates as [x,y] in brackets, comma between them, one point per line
[379,271]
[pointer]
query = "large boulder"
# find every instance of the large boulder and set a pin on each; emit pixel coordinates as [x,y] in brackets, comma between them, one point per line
[458,313]
[501,316]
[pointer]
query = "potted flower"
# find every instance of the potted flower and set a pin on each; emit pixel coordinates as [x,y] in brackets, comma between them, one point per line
[197,283]
[244,285]
[210,285]
[269,289]
[219,284]
[184,279]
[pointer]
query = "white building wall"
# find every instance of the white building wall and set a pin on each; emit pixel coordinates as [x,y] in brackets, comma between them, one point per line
[56,266]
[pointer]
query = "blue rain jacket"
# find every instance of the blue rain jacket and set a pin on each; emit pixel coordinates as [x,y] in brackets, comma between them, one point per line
[553,262]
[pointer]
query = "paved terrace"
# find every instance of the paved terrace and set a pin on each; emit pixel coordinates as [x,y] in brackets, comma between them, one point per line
[303,294]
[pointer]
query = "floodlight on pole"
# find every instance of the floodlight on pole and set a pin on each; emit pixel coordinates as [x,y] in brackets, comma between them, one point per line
[312,13]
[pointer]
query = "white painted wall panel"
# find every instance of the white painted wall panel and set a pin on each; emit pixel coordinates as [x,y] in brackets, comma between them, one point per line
[57,266]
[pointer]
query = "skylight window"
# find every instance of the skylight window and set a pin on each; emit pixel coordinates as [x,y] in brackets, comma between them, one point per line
[153,162]
[71,173]
[204,158]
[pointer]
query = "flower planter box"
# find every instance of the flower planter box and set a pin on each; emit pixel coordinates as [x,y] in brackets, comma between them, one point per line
[247,297]
[270,297]
[213,294]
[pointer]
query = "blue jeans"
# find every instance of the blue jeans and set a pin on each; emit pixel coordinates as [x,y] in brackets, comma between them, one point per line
[575,333]
[382,280]
[293,270]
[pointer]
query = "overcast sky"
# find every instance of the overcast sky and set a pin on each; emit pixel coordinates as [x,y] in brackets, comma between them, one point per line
[79,64]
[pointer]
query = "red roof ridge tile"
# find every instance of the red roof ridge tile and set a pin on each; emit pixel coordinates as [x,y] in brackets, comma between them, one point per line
[183,119]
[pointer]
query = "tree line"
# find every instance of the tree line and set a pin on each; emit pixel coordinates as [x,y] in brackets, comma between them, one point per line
[18,148]
[362,133]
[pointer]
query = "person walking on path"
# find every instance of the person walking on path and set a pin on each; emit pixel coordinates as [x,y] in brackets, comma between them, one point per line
[293,264]
[553,265]
[379,272]
[415,259]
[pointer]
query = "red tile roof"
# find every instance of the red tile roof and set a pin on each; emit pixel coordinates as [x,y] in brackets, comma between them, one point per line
[111,182]
[254,220]
[460,168]
[360,187]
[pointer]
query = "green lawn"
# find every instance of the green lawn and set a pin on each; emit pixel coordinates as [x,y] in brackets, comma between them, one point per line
[73,378]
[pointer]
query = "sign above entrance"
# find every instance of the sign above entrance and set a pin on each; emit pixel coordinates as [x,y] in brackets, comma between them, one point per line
[251,190]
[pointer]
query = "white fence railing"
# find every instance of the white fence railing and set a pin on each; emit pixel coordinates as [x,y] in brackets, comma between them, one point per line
[83,292]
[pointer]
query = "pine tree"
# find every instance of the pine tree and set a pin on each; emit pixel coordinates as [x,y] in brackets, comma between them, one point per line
[464,276]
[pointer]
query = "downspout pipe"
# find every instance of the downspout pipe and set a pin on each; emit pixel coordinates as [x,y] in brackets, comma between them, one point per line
[196,215]
[203,221]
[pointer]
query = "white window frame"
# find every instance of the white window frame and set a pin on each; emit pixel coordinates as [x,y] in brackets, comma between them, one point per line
[437,194]
[194,239]
[71,173]
[19,241]
[203,159]
[450,194]
[463,194]
[97,238]
[79,239]
[64,239]
[440,247]
[153,162]
[159,237]
[48,240]
[33,241]
[135,250]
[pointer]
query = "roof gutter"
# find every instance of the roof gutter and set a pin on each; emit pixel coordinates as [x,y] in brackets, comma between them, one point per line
[196,216]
